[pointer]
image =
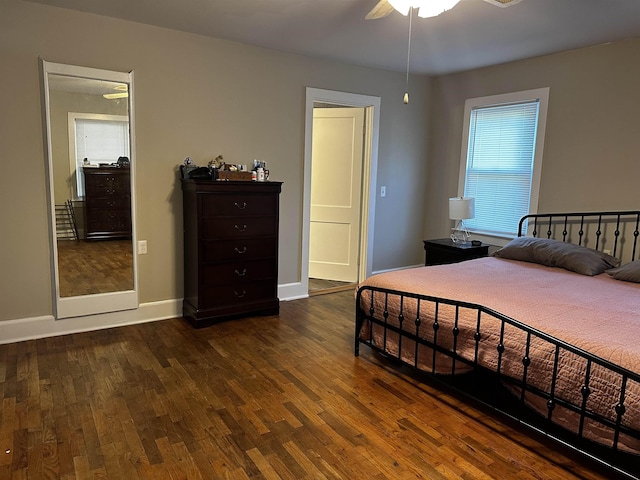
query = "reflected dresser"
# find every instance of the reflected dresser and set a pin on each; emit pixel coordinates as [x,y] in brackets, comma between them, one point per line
[107,203]
[230,249]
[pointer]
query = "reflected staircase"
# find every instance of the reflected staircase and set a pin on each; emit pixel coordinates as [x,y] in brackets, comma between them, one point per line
[66,227]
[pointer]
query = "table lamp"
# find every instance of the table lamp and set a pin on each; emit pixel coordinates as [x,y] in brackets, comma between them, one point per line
[461,209]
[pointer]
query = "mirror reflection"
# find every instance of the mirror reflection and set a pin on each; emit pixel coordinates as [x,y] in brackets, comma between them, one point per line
[91,184]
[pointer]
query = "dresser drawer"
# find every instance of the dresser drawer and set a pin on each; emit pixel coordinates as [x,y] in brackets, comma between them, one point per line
[238,249]
[238,227]
[238,272]
[107,184]
[236,293]
[98,219]
[111,201]
[116,225]
[238,205]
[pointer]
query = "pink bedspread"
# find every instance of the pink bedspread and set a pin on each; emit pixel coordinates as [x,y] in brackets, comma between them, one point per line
[597,314]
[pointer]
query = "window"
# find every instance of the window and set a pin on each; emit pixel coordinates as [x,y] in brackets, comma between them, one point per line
[501,160]
[98,138]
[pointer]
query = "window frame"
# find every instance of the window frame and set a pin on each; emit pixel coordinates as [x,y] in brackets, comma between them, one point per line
[539,94]
[73,165]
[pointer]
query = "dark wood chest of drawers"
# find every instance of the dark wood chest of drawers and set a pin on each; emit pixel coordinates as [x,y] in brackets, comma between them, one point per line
[107,203]
[230,249]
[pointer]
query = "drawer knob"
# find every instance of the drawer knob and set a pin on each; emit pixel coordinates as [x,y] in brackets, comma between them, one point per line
[243,228]
[242,273]
[241,294]
[241,207]
[244,250]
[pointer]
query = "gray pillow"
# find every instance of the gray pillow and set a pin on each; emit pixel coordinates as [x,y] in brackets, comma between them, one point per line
[629,272]
[555,253]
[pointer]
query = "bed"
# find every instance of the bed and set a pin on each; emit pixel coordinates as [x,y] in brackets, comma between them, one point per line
[545,331]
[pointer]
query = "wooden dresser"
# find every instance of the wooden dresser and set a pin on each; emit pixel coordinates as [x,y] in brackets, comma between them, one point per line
[230,249]
[107,203]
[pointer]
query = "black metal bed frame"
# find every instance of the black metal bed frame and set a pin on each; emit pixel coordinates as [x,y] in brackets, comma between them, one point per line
[616,232]
[582,221]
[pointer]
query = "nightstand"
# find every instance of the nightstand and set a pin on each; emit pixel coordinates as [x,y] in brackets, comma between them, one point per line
[443,250]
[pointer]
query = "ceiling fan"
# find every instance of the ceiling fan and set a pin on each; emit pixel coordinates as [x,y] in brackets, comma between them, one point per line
[385,7]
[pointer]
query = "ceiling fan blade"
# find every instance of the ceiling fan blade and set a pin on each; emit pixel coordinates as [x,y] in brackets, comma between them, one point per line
[381,10]
[503,3]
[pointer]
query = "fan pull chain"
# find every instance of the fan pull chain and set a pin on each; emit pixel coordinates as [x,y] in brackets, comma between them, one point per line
[406,93]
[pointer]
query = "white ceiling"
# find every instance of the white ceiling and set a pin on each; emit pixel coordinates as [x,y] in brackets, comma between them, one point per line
[471,35]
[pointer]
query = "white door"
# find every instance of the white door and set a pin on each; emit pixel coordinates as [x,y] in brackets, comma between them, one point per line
[336,186]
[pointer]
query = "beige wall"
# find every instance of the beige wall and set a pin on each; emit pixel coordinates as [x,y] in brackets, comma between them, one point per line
[592,144]
[194,96]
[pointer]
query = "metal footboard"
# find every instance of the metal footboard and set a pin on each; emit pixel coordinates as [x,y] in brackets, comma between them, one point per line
[404,333]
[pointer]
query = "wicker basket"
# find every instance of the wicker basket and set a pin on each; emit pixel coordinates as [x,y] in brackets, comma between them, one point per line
[227,175]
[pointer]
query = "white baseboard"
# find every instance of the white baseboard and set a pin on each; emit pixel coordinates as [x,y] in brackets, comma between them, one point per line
[47,326]
[292,291]
[394,269]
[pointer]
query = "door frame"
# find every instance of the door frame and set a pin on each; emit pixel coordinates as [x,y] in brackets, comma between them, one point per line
[369,173]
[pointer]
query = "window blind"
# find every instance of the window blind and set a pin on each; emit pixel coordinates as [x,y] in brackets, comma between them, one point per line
[499,171]
[100,141]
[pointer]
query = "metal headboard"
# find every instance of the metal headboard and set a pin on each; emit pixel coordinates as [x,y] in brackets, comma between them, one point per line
[604,231]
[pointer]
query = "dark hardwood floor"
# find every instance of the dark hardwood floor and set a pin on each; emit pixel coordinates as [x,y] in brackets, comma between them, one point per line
[258,398]
[319,286]
[86,268]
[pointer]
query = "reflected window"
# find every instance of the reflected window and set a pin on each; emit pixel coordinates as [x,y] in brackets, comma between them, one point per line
[101,139]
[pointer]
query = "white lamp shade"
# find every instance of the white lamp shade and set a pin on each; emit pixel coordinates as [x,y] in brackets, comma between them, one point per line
[462,208]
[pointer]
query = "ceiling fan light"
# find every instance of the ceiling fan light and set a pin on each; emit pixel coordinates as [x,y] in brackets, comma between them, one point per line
[402,6]
[503,3]
[433,8]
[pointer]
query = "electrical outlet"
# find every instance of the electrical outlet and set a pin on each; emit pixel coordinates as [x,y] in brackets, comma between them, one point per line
[383,191]
[142,247]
